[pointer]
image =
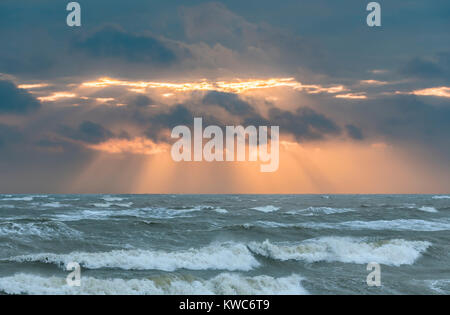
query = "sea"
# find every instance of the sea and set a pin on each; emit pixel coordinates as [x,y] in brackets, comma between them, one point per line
[225,244]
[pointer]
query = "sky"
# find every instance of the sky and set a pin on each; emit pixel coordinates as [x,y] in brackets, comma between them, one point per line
[90,109]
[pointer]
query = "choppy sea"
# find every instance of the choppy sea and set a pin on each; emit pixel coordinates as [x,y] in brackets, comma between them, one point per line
[225,244]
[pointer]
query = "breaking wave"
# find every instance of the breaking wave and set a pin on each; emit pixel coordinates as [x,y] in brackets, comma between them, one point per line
[441,197]
[224,256]
[319,210]
[347,250]
[45,230]
[266,209]
[223,284]
[428,209]
[380,225]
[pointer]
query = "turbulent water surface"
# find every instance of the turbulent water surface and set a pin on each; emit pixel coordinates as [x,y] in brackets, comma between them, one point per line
[224,244]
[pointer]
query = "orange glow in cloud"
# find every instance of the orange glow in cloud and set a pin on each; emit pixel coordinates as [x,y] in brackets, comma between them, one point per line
[373,82]
[104,99]
[352,96]
[32,86]
[238,86]
[56,96]
[136,146]
[442,91]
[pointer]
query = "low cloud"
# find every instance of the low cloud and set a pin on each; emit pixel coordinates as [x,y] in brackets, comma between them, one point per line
[16,101]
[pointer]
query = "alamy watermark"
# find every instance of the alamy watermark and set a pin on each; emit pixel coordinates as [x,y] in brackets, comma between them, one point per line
[236,147]
[74,278]
[374,277]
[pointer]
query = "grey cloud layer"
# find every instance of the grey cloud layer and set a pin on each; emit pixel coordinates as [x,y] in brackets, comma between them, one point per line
[321,42]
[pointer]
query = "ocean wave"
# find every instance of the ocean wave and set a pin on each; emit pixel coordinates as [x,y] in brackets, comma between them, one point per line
[223,284]
[45,230]
[112,204]
[441,286]
[224,256]
[55,204]
[380,225]
[3,206]
[428,209]
[22,197]
[311,211]
[107,214]
[266,209]
[28,198]
[347,250]
[220,210]
[441,197]
[112,199]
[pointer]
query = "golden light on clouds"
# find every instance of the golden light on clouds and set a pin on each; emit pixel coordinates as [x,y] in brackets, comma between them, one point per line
[373,82]
[352,96]
[32,86]
[441,91]
[137,145]
[56,96]
[238,86]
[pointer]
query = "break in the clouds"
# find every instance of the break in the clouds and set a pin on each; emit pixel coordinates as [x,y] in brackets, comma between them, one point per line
[78,105]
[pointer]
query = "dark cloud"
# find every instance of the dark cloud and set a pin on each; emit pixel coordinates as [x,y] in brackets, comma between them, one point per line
[231,102]
[305,123]
[419,67]
[141,101]
[177,115]
[16,101]
[88,132]
[354,132]
[111,42]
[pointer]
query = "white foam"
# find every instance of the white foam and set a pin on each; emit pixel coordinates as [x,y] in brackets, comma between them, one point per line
[266,209]
[380,225]
[220,210]
[347,250]
[223,284]
[310,211]
[428,209]
[441,286]
[28,198]
[224,256]
[106,214]
[111,204]
[56,204]
[45,230]
[441,197]
[111,199]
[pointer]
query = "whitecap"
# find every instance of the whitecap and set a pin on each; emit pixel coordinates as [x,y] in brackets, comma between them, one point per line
[56,204]
[220,210]
[441,197]
[112,199]
[266,209]
[223,256]
[222,284]
[441,286]
[380,225]
[111,204]
[428,209]
[394,252]
[311,211]
[44,230]
[27,198]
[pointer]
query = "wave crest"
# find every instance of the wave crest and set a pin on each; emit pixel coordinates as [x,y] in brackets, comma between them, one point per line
[226,256]
[223,284]
[347,250]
